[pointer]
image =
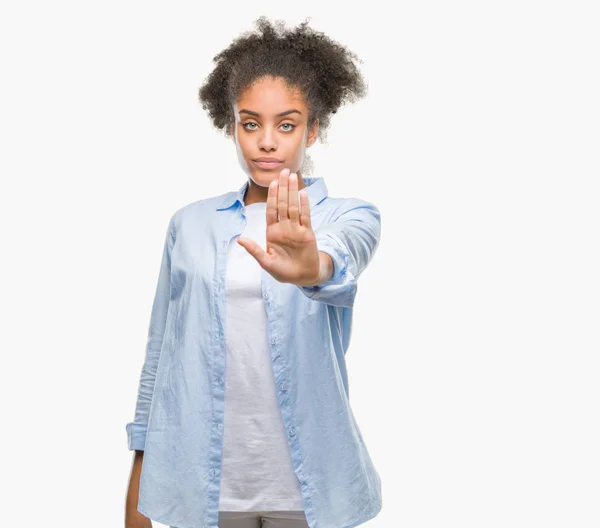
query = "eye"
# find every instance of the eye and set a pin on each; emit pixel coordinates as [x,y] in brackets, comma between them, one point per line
[284,124]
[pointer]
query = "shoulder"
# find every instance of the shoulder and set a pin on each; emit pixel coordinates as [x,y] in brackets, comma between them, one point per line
[200,209]
[338,207]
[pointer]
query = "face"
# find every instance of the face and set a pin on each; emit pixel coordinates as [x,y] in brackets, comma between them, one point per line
[271,122]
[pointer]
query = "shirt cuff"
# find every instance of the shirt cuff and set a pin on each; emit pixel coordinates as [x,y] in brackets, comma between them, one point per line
[340,288]
[136,436]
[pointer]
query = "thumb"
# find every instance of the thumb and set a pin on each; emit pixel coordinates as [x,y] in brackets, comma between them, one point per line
[253,248]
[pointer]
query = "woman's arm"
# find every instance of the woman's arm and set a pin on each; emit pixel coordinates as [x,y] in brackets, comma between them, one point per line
[351,241]
[136,430]
[295,252]
[133,518]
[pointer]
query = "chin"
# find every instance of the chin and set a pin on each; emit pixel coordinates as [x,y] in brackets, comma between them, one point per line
[264,178]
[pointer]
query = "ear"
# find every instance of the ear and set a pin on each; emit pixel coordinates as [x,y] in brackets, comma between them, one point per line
[313,134]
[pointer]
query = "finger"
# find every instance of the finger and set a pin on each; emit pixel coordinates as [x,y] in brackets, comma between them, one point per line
[282,195]
[304,209]
[272,203]
[254,249]
[293,199]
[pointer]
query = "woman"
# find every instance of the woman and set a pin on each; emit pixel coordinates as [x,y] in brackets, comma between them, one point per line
[243,417]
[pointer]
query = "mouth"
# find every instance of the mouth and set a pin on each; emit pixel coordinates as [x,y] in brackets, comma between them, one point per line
[267,164]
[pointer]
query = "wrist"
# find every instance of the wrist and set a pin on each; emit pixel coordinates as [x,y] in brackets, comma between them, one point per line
[325,269]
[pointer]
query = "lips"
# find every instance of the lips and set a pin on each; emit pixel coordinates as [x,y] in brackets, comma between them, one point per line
[267,164]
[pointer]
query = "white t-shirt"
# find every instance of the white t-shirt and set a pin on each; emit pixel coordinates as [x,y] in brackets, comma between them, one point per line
[256,472]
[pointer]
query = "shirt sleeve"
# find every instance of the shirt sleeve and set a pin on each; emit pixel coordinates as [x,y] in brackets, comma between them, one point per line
[351,241]
[136,430]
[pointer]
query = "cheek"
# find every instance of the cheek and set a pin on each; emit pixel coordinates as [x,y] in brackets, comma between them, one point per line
[240,144]
[301,148]
[246,145]
[240,153]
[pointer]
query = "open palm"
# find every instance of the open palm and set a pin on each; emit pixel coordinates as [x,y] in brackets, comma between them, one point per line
[292,254]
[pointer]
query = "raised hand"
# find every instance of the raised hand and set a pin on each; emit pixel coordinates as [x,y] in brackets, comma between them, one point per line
[292,255]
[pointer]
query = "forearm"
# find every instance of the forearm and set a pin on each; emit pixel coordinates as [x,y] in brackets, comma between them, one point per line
[133,518]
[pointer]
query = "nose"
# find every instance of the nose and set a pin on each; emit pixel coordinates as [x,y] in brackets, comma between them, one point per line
[267,141]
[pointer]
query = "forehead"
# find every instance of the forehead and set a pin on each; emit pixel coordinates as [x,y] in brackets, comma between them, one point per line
[269,96]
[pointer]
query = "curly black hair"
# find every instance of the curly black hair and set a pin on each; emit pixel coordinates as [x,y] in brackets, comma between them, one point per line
[320,68]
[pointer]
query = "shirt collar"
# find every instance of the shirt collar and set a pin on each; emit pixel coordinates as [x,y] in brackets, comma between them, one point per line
[315,188]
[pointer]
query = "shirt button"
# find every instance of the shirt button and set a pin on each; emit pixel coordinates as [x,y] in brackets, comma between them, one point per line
[273,340]
[282,387]
[214,472]
[266,295]
[292,431]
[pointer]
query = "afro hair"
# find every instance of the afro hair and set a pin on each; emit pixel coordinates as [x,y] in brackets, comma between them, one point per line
[322,70]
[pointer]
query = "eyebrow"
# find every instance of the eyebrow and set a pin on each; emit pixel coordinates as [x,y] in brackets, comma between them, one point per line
[278,115]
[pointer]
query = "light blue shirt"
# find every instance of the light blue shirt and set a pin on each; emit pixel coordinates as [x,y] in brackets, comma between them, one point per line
[178,420]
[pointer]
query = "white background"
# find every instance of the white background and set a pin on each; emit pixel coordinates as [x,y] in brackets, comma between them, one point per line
[473,366]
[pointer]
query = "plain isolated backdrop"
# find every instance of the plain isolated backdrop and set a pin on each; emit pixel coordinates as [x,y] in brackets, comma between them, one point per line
[473,366]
